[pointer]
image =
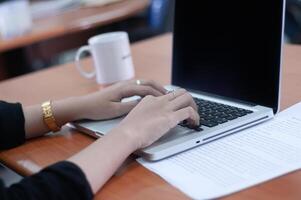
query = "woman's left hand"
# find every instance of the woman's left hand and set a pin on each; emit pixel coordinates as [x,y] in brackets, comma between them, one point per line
[106,104]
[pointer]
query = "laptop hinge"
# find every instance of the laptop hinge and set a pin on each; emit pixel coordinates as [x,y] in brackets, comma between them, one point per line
[246,103]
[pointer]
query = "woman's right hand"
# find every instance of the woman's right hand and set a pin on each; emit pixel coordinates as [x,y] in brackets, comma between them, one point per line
[155,116]
[146,123]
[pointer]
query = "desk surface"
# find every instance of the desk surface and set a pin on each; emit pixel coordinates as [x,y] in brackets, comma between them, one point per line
[73,21]
[152,60]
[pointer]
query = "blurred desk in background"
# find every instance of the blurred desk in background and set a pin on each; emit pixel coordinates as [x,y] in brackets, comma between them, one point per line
[152,59]
[69,29]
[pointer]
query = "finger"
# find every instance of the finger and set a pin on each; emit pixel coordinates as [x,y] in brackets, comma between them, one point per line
[139,90]
[124,108]
[154,85]
[174,94]
[188,114]
[183,101]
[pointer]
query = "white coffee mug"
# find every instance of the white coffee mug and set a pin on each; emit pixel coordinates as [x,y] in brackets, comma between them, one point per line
[112,58]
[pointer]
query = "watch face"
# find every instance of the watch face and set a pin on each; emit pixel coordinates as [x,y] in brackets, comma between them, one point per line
[46,110]
[48,117]
[47,113]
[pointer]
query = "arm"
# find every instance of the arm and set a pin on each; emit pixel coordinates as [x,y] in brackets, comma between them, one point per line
[147,122]
[104,104]
[65,180]
[11,125]
[65,110]
[62,180]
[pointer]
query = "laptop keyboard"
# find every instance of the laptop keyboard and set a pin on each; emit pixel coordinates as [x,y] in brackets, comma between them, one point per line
[213,114]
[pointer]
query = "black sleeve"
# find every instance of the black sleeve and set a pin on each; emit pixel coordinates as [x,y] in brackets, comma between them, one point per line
[12,125]
[63,180]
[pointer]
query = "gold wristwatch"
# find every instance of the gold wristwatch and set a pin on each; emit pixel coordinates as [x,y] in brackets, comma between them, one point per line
[48,117]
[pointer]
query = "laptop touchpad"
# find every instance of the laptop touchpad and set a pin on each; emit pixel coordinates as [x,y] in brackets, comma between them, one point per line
[174,133]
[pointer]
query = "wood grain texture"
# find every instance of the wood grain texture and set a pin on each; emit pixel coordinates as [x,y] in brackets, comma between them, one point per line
[75,20]
[152,59]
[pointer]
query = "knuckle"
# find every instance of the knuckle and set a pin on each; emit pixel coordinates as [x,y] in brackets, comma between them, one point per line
[148,91]
[190,111]
[148,97]
[118,85]
[128,88]
[163,100]
[182,90]
[122,83]
[170,120]
[151,82]
[144,90]
[188,96]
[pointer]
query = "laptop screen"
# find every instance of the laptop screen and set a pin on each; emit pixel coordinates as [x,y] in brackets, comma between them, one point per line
[229,48]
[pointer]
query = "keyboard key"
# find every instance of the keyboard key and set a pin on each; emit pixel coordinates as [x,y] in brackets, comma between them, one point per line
[198,129]
[231,117]
[208,123]
[221,121]
[240,114]
[213,114]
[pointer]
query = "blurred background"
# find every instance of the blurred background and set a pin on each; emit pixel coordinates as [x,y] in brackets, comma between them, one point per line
[37,34]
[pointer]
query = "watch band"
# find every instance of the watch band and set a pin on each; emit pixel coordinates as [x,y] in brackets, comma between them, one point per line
[48,117]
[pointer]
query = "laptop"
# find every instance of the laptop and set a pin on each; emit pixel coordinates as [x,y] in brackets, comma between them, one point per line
[227,54]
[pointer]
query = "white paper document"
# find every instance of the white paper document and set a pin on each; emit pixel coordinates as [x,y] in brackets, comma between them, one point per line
[238,161]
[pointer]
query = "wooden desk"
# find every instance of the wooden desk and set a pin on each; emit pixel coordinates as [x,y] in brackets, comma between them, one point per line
[73,21]
[152,61]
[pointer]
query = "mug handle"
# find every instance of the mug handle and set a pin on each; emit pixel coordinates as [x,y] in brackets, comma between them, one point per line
[88,75]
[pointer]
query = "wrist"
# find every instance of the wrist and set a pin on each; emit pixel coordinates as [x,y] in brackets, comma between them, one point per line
[67,110]
[128,137]
[83,107]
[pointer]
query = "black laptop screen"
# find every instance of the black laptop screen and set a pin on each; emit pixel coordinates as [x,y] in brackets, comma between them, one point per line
[229,48]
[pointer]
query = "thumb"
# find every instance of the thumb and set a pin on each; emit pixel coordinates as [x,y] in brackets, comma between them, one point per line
[126,107]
